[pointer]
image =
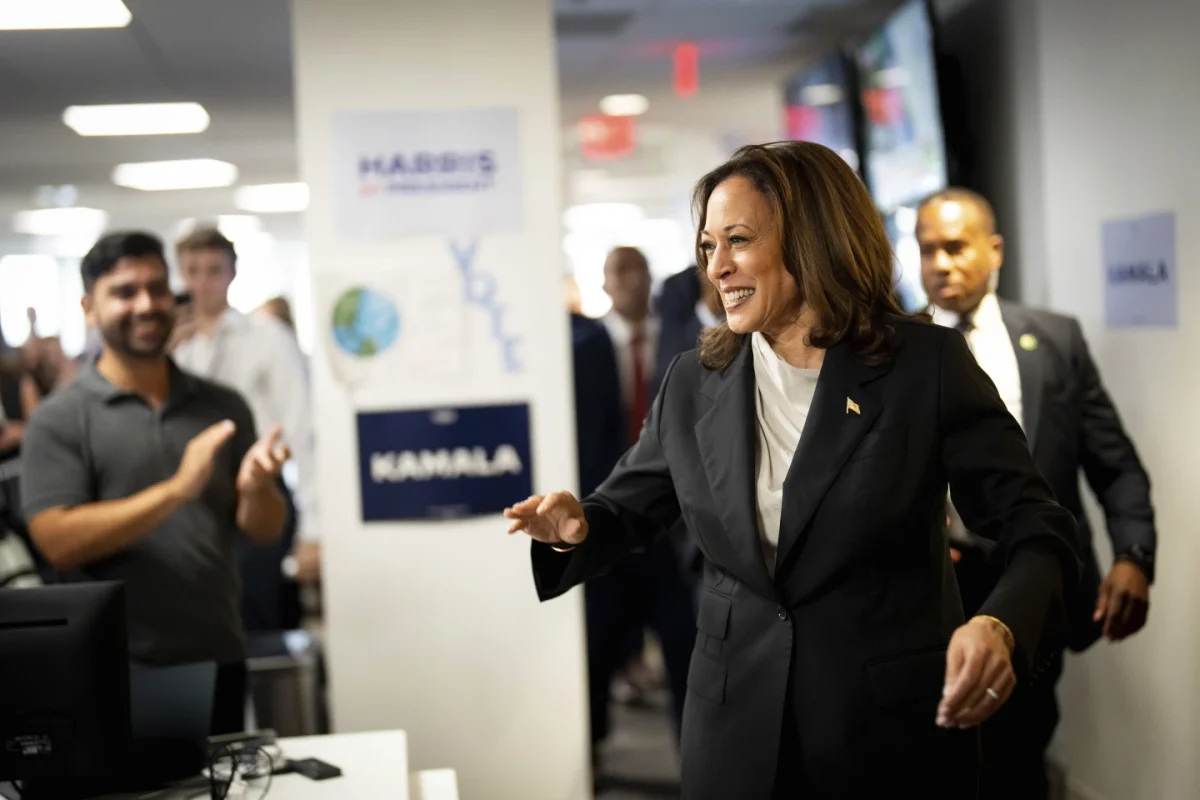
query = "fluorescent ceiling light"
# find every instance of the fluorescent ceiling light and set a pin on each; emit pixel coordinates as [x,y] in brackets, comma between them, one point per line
[60,221]
[624,105]
[136,119]
[239,226]
[821,94]
[272,198]
[27,15]
[193,173]
[602,216]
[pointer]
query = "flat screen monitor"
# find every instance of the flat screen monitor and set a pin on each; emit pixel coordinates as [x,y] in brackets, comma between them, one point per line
[904,139]
[64,682]
[820,108]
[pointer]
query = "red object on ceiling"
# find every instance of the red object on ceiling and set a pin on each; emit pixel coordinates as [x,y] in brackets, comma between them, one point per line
[687,69]
[802,122]
[604,138]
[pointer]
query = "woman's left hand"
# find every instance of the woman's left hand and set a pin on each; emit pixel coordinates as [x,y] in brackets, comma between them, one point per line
[979,674]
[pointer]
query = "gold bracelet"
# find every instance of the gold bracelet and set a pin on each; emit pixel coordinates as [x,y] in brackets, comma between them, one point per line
[563,549]
[1009,639]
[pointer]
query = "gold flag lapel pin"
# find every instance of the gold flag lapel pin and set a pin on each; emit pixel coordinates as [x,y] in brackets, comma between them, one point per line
[852,406]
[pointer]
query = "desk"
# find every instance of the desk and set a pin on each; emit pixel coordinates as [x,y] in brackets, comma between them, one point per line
[374,767]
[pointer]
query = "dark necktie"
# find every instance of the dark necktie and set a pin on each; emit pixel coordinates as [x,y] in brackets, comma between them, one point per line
[965,324]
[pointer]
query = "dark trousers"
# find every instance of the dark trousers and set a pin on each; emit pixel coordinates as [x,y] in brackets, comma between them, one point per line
[270,602]
[229,699]
[1016,738]
[642,589]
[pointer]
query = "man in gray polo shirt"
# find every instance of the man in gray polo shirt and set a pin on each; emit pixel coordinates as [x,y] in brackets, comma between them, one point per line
[142,473]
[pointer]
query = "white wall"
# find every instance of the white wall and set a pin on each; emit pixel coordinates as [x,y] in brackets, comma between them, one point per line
[434,627]
[1120,105]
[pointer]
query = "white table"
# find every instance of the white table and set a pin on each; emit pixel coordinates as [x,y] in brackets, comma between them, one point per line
[374,767]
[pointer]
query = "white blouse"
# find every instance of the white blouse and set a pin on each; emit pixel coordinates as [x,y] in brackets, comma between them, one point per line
[784,395]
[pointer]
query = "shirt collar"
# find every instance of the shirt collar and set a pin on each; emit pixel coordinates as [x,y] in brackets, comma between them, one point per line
[986,315]
[621,330]
[182,383]
[707,318]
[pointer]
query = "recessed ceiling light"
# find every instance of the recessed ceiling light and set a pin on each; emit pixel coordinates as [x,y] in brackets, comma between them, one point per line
[136,119]
[60,221]
[28,15]
[272,198]
[192,173]
[821,94]
[624,105]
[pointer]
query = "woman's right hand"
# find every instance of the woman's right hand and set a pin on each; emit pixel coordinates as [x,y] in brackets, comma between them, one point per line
[556,519]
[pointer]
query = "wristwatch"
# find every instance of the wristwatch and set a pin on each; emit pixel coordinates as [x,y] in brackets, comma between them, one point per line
[1140,557]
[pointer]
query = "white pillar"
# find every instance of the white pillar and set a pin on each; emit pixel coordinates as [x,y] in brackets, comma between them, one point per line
[434,626]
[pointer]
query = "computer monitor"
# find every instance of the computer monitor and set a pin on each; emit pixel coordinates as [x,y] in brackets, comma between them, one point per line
[64,682]
[905,155]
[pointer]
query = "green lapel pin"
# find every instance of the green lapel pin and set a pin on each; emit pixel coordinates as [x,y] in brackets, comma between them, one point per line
[1028,342]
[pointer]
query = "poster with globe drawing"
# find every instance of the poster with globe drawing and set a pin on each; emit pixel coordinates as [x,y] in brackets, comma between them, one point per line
[390,322]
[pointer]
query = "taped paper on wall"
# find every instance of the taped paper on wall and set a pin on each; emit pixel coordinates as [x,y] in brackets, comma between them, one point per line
[399,174]
[403,324]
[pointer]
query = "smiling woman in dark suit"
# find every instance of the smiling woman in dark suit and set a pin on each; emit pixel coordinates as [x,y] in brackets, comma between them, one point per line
[808,445]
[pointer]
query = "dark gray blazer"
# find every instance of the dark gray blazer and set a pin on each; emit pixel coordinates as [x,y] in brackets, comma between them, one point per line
[848,638]
[1072,425]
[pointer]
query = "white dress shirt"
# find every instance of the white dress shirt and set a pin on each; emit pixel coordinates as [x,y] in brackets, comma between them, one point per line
[620,331]
[707,318]
[260,358]
[989,340]
[784,396]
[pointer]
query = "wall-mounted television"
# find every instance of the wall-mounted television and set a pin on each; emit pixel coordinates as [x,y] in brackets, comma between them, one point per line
[905,156]
[820,107]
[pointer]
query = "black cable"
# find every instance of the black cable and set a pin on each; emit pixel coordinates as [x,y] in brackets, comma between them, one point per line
[270,770]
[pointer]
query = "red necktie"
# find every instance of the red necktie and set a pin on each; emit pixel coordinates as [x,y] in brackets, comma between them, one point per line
[639,406]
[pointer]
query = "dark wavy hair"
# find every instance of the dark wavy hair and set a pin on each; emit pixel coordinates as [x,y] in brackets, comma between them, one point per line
[833,244]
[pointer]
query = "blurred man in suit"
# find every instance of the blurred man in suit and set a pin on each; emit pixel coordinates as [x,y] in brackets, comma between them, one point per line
[1040,363]
[644,589]
[686,306]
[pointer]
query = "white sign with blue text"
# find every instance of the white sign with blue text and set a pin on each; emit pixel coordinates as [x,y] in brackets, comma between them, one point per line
[443,463]
[399,174]
[1141,284]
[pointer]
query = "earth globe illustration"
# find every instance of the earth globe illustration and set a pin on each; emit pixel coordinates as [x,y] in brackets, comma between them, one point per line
[365,322]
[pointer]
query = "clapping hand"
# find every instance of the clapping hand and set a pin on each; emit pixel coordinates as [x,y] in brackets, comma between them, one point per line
[263,462]
[556,519]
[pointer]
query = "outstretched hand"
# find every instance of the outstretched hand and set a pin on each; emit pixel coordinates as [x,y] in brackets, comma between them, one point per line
[556,519]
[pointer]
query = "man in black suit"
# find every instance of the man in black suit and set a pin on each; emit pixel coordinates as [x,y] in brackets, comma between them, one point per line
[1040,363]
[686,306]
[645,589]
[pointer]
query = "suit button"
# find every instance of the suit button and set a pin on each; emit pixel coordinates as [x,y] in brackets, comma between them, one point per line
[782,612]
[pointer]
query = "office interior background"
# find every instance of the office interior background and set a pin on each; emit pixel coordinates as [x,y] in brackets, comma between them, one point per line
[1066,113]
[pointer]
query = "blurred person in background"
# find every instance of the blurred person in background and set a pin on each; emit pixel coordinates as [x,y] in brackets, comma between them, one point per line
[280,309]
[258,356]
[1041,366]
[44,366]
[688,305]
[644,589]
[808,444]
[143,473]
